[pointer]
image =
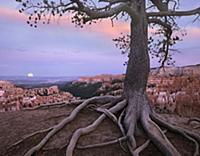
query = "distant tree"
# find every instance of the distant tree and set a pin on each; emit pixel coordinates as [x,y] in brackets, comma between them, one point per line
[136,114]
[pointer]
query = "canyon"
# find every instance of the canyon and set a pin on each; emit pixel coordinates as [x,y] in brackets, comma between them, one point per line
[170,89]
[174,90]
[13,98]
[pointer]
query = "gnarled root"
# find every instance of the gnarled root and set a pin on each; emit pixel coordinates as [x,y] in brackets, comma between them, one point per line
[54,105]
[137,151]
[195,119]
[130,125]
[195,138]
[90,128]
[29,136]
[124,138]
[136,115]
[157,136]
[67,120]
[173,128]
[118,122]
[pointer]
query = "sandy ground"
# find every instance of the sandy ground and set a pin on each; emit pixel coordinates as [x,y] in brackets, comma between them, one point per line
[15,125]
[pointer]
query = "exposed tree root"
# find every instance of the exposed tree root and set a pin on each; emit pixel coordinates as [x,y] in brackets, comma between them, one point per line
[196,152]
[193,119]
[53,105]
[157,136]
[116,121]
[67,120]
[82,131]
[195,138]
[120,123]
[115,141]
[30,135]
[124,138]
[137,151]
[128,121]
[173,128]
[57,116]
[110,115]
[130,125]
[196,127]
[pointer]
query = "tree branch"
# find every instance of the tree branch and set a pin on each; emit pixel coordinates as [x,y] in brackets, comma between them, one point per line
[113,1]
[174,13]
[160,5]
[97,14]
[159,22]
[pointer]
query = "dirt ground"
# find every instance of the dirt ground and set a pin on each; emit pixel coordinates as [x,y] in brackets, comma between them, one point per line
[15,125]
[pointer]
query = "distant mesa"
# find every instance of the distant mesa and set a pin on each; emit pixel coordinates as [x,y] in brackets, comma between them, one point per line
[30,75]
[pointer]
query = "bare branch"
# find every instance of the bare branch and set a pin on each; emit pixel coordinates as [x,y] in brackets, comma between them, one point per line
[159,22]
[174,13]
[160,5]
[113,1]
[97,14]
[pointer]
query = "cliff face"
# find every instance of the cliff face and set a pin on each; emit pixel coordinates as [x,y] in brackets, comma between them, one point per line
[172,90]
[13,98]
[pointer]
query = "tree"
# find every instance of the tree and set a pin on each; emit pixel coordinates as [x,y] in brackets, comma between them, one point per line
[134,105]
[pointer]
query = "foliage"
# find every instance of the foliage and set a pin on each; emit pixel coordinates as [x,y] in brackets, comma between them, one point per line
[166,32]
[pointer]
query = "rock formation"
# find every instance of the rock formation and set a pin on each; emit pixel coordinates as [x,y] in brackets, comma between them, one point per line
[13,98]
[171,90]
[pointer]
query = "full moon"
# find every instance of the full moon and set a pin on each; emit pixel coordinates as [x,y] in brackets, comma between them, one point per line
[30,75]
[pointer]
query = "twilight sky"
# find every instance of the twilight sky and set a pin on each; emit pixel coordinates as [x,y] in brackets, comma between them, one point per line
[60,49]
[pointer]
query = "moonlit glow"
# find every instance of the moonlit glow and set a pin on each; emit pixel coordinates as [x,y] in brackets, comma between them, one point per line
[30,75]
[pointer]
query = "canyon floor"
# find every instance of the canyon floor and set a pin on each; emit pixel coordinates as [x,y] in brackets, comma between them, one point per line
[15,125]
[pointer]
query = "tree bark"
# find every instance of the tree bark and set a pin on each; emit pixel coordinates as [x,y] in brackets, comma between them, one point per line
[138,109]
[138,64]
[137,72]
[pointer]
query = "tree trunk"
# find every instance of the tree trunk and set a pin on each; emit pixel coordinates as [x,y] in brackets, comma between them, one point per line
[137,72]
[138,108]
[138,66]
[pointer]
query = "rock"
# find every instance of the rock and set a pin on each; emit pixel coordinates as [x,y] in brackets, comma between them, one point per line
[47,91]
[13,98]
[101,78]
[173,90]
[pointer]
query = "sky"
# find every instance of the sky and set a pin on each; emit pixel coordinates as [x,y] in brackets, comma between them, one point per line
[61,49]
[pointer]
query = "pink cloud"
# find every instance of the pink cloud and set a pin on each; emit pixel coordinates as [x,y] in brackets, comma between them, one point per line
[104,27]
[12,14]
[193,32]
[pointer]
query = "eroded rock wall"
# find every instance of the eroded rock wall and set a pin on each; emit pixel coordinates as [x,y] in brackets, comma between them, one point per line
[170,90]
[13,98]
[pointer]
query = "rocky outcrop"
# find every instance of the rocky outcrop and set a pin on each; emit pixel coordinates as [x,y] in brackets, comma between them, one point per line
[175,94]
[13,98]
[46,91]
[193,70]
[171,90]
[100,78]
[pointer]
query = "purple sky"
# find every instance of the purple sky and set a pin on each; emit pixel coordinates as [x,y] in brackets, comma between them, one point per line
[60,49]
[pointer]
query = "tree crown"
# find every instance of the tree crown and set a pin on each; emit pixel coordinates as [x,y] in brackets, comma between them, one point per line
[160,14]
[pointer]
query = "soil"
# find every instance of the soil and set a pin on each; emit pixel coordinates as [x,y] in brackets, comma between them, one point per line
[15,125]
